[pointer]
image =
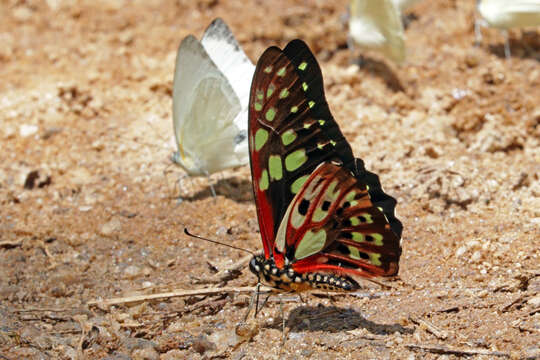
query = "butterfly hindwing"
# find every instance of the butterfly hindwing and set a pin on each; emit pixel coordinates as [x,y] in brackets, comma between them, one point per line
[332,224]
[291,131]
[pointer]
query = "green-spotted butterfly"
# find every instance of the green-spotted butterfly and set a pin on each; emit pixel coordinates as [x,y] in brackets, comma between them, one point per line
[323,217]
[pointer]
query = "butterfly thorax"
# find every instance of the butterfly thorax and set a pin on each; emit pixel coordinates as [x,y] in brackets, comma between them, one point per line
[287,279]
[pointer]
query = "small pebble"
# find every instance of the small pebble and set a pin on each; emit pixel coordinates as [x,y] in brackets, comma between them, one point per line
[27,130]
[132,272]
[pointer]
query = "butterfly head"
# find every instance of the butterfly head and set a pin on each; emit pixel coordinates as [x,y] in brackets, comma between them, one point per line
[280,278]
[256,264]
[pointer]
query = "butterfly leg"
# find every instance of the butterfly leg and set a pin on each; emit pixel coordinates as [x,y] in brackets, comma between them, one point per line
[507,53]
[212,190]
[283,335]
[264,303]
[180,182]
[251,302]
[478,23]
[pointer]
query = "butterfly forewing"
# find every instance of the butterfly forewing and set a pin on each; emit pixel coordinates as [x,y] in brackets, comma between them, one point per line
[291,131]
[223,48]
[331,224]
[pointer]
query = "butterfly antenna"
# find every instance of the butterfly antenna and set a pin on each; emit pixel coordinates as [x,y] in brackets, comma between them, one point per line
[217,242]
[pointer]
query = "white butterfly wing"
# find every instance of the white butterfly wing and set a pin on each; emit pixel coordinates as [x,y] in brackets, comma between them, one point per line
[205,107]
[377,24]
[220,43]
[403,5]
[508,14]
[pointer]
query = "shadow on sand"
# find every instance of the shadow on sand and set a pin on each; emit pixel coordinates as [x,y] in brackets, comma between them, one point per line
[334,319]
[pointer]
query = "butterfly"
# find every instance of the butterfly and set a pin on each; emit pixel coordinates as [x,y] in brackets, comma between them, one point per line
[377,24]
[210,99]
[403,5]
[323,218]
[505,15]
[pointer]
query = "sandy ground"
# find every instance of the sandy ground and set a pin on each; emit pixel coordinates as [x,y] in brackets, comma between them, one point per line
[90,205]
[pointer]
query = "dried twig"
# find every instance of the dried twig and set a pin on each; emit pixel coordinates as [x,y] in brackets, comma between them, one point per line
[449,309]
[40,309]
[10,244]
[517,301]
[177,293]
[534,311]
[441,334]
[445,350]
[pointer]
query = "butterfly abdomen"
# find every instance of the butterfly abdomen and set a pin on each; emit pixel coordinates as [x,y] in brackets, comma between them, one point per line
[289,280]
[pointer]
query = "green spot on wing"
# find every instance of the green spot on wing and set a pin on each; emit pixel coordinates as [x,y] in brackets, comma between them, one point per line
[375,259]
[354,253]
[297,219]
[321,122]
[319,214]
[295,159]
[294,109]
[377,239]
[311,243]
[311,103]
[270,114]
[268,69]
[257,106]
[302,66]
[270,91]
[368,218]
[263,181]
[275,167]
[288,137]
[261,136]
[330,194]
[350,195]
[354,221]
[282,71]
[260,95]
[298,183]
[305,86]
[284,93]
[358,237]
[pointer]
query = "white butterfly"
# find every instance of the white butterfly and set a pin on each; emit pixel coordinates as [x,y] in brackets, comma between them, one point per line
[403,5]
[507,14]
[211,87]
[376,24]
